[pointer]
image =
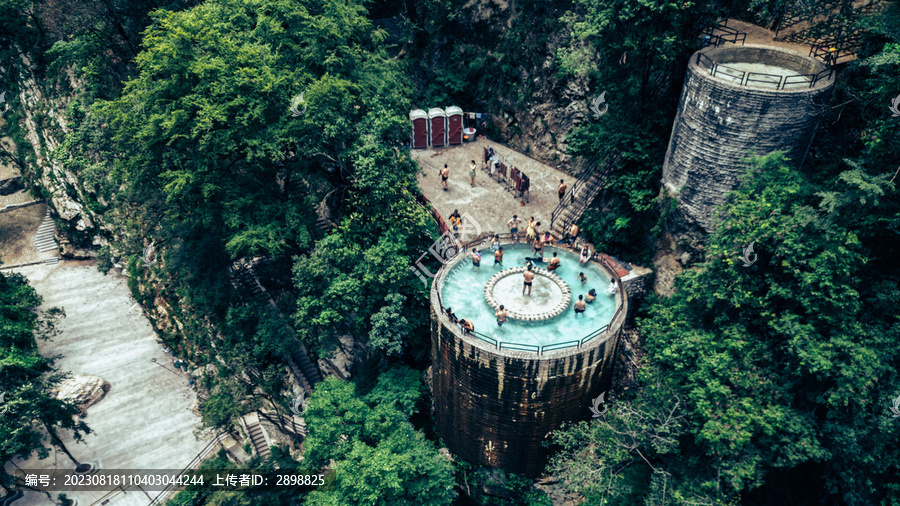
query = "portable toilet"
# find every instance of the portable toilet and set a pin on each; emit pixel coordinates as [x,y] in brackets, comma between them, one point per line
[454,125]
[419,120]
[437,119]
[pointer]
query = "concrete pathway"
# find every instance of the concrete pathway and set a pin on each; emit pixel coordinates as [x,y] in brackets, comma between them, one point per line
[146,420]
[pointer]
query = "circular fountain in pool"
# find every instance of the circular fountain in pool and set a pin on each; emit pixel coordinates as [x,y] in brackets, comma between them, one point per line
[549,295]
[500,391]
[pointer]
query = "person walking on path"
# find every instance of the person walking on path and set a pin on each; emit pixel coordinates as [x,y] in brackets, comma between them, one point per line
[513,225]
[562,189]
[529,277]
[445,173]
[554,263]
[501,316]
[498,256]
[580,305]
[472,167]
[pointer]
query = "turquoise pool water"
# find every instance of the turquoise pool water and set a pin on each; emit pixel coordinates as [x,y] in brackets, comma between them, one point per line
[463,291]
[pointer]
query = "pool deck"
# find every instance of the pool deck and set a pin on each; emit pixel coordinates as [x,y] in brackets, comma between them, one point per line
[488,202]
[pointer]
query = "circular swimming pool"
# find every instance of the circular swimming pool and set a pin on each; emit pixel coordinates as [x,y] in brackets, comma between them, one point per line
[464,290]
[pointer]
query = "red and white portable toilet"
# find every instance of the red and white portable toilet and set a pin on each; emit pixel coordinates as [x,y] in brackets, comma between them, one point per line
[454,125]
[419,134]
[437,120]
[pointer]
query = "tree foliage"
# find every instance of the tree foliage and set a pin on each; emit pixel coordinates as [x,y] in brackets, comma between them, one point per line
[380,459]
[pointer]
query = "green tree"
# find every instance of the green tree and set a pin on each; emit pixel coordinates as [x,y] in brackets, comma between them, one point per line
[785,366]
[33,418]
[380,458]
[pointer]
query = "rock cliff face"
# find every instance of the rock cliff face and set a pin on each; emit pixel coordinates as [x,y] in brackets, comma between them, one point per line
[42,112]
[538,125]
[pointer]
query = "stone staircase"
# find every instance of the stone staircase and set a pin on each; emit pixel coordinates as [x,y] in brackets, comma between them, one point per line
[44,240]
[258,439]
[582,193]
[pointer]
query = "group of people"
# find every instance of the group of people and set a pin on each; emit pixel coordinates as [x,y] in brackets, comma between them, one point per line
[445,175]
[465,325]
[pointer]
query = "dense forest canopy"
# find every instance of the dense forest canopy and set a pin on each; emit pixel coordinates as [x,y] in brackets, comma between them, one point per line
[761,385]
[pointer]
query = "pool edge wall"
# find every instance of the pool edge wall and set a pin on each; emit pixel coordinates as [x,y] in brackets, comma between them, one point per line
[496,407]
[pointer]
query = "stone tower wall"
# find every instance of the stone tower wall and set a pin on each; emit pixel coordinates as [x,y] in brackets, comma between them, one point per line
[719,123]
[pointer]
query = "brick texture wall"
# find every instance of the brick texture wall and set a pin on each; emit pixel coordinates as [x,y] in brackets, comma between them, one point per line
[718,123]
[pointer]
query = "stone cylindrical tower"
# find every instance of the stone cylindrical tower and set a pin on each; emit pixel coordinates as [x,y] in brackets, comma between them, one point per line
[495,406]
[738,101]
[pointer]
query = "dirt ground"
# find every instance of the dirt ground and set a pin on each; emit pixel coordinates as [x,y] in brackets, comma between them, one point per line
[17,230]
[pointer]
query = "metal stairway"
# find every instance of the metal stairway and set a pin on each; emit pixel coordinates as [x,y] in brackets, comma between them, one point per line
[244,278]
[582,193]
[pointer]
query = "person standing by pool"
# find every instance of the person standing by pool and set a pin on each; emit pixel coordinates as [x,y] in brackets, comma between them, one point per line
[537,247]
[498,256]
[572,235]
[452,317]
[467,326]
[513,225]
[529,277]
[554,263]
[548,239]
[476,258]
[472,172]
[445,173]
[561,190]
[592,294]
[501,316]
[495,244]
[529,230]
[580,305]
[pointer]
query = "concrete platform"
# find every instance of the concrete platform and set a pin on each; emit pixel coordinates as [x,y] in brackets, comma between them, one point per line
[488,202]
[146,420]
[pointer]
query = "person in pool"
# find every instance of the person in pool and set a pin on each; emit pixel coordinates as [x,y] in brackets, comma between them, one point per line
[498,256]
[554,263]
[591,295]
[537,247]
[501,316]
[476,258]
[580,305]
[585,255]
[582,278]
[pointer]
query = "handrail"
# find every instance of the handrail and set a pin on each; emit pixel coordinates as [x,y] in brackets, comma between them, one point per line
[745,78]
[193,463]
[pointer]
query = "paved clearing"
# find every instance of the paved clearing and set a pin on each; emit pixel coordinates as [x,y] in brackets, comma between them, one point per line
[488,202]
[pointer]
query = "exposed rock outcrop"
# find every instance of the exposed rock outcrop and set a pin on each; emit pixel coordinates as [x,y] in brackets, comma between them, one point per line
[83,390]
